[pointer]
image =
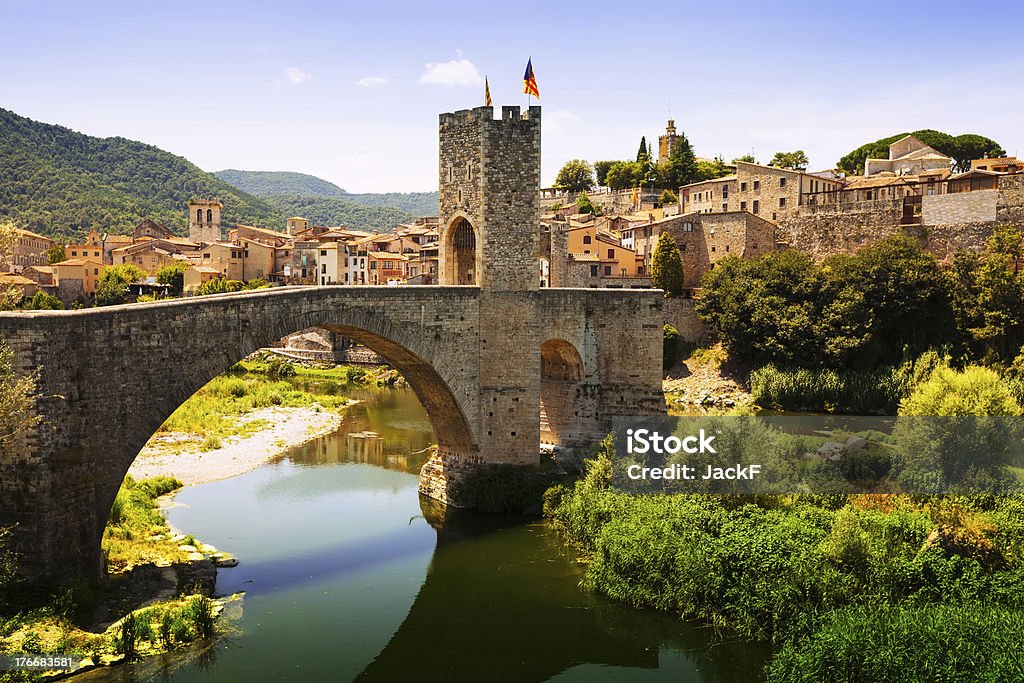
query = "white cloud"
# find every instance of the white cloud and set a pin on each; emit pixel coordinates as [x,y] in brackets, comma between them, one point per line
[455,72]
[296,76]
[373,81]
[560,121]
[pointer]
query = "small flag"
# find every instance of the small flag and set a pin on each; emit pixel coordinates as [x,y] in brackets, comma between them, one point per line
[636,196]
[530,81]
[487,93]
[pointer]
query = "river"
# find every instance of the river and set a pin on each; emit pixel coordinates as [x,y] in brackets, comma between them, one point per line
[345,579]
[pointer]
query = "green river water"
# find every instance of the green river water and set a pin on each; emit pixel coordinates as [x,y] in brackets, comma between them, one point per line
[345,579]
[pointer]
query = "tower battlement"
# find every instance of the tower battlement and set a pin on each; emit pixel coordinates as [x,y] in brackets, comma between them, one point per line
[488,198]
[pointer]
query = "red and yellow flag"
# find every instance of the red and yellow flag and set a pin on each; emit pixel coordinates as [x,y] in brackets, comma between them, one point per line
[487,93]
[529,80]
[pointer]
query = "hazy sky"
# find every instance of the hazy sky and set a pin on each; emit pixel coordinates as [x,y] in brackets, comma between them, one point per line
[351,91]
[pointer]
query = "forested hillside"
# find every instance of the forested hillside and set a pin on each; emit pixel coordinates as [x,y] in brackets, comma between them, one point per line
[61,183]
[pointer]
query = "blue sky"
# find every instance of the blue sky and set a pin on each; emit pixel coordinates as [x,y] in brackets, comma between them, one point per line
[352,93]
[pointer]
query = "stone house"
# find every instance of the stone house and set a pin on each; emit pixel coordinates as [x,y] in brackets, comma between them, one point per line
[908,156]
[196,276]
[704,239]
[83,271]
[152,254]
[764,191]
[151,229]
[26,286]
[29,249]
[41,275]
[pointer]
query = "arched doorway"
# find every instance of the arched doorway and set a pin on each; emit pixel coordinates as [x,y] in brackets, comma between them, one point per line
[460,258]
[564,408]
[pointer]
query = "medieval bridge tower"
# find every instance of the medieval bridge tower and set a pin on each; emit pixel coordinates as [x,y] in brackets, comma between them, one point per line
[500,364]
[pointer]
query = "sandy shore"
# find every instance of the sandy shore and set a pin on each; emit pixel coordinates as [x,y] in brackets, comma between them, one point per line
[178,455]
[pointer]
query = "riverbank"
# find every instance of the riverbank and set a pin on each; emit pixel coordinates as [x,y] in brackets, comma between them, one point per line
[707,379]
[182,456]
[157,595]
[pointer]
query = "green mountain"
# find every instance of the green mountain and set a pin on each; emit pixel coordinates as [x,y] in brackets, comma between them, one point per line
[61,183]
[267,184]
[334,211]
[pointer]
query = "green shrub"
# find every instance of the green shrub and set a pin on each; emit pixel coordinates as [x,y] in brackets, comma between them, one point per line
[671,346]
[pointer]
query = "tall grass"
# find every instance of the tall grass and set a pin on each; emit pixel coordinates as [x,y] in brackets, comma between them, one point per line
[163,626]
[965,642]
[847,391]
[135,521]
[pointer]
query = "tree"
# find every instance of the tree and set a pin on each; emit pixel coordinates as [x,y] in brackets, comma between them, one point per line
[749,158]
[112,288]
[681,166]
[988,297]
[666,266]
[624,174]
[584,205]
[970,146]
[709,170]
[601,170]
[643,155]
[9,296]
[869,309]
[764,309]
[962,149]
[173,274]
[796,161]
[575,176]
[668,197]
[41,301]
[55,254]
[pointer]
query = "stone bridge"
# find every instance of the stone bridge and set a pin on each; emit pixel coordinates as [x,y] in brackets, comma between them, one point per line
[499,364]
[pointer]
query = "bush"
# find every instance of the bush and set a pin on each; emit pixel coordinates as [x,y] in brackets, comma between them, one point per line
[672,345]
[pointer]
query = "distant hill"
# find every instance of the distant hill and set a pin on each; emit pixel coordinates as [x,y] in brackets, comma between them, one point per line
[334,211]
[266,183]
[270,183]
[61,183]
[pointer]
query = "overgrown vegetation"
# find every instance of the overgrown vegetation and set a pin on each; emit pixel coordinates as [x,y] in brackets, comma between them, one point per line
[867,588]
[213,411]
[36,621]
[889,302]
[136,531]
[275,366]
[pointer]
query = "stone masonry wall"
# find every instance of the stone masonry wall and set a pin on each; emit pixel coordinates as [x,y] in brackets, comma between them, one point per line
[960,207]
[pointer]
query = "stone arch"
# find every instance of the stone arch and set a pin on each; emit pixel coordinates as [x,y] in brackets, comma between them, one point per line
[563,410]
[461,252]
[429,367]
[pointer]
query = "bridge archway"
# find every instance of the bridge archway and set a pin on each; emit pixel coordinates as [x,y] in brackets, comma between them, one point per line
[563,406]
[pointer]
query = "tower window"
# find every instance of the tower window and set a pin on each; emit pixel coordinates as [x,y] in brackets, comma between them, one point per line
[209,215]
[199,215]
